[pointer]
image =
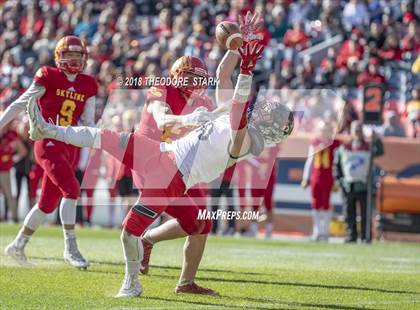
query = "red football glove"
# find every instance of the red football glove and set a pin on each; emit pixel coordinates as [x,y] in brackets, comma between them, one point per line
[250,26]
[250,53]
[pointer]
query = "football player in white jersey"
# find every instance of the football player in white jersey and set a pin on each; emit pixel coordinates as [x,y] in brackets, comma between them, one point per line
[200,156]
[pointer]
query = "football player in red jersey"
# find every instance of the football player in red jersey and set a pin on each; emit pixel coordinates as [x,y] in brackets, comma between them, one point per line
[318,173]
[171,112]
[65,96]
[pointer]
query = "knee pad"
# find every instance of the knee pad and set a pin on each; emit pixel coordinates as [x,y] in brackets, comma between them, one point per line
[34,218]
[139,218]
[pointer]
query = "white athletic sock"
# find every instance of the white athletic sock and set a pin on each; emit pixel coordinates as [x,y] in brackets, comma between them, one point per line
[183,282]
[316,218]
[69,234]
[133,253]
[68,211]
[21,240]
[34,218]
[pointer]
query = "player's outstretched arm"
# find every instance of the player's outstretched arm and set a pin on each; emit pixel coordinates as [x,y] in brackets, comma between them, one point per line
[240,138]
[249,25]
[224,87]
[34,91]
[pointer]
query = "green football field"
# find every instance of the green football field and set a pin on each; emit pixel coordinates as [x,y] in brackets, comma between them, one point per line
[252,274]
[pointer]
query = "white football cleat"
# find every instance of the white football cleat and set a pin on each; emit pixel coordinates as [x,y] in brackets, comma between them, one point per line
[38,127]
[72,255]
[131,287]
[18,254]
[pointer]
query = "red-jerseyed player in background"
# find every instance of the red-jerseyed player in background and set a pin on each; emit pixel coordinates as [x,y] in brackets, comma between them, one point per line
[318,172]
[66,96]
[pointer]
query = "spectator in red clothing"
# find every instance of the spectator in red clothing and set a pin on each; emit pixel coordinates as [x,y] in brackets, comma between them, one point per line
[411,41]
[407,12]
[296,37]
[33,22]
[350,48]
[326,71]
[12,150]
[372,75]
[164,29]
[391,49]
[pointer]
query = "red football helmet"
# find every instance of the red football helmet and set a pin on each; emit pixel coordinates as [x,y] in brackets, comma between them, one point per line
[191,67]
[70,44]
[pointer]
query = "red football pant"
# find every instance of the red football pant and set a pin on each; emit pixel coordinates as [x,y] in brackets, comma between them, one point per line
[163,188]
[320,192]
[59,180]
[35,175]
[187,215]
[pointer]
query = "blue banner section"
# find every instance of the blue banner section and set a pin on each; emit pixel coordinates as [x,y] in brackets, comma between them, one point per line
[290,170]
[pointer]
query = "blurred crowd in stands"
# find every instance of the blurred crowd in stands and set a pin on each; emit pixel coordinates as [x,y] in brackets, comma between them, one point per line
[338,45]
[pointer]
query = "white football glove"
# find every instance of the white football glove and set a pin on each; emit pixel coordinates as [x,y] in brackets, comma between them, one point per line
[200,116]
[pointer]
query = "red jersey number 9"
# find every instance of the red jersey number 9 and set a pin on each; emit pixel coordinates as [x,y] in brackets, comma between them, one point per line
[66,112]
[322,159]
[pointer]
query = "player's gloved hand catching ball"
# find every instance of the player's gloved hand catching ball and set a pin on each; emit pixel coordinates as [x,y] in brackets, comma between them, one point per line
[250,26]
[250,53]
[197,118]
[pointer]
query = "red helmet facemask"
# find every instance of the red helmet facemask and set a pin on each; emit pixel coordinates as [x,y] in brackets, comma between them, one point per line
[70,44]
[193,69]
